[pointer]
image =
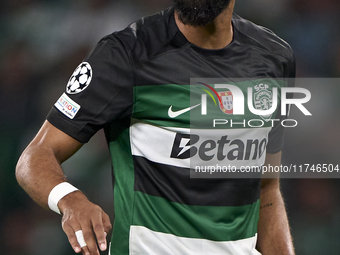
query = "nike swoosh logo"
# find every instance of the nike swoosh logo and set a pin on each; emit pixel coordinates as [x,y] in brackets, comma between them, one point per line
[175,114]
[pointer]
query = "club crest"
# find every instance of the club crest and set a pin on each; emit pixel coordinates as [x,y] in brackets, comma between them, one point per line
[263,100]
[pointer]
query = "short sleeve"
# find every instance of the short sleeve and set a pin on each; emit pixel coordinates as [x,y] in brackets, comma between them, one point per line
[276,135]
[99,92]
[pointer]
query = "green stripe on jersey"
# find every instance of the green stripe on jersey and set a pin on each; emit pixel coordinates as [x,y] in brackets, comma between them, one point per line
[215,223]
[123,193]
[152,104]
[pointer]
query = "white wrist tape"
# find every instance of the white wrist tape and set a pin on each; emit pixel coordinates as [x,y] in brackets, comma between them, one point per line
[57,193]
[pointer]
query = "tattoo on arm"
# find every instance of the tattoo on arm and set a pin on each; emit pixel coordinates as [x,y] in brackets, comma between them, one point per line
[266,205]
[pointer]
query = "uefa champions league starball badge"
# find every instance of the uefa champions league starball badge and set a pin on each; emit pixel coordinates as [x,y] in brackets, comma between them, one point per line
[80,79]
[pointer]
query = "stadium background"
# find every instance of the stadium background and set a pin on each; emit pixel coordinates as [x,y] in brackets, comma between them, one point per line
[41,42]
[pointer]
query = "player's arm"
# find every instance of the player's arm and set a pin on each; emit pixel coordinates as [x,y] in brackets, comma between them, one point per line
[273,229]
[38,172]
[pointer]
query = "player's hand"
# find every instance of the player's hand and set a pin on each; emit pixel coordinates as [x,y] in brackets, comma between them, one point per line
[80,214]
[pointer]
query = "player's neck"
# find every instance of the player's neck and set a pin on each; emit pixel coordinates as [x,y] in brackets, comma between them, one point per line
[216,35]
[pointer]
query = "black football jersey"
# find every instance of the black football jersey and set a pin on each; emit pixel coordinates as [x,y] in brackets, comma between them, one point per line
[150,89]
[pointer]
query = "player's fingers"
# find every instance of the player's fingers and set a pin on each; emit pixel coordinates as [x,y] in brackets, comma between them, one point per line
[89,238]
[80,238]
[69,231]
[85,250]
[98,228]
[106,223]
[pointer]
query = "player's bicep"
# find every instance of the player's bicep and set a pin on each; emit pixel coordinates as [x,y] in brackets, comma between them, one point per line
[54,140]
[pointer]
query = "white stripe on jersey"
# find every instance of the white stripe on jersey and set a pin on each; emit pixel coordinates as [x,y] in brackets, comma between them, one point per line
[145,241]
[156,144]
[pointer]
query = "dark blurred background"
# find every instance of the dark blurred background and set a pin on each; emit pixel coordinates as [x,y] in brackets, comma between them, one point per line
[42,41]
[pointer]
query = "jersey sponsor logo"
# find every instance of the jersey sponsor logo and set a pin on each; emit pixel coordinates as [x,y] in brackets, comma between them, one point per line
[67,106]
[80,79]
[182,147]
[189,145]
[174,114]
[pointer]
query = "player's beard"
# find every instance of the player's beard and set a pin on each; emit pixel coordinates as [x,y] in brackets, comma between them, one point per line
[199,12]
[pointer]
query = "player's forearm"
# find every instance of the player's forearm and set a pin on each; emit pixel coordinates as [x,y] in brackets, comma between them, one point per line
[273,229]
[37,172]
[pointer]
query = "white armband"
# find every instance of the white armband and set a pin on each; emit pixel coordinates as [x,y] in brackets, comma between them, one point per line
[57,193]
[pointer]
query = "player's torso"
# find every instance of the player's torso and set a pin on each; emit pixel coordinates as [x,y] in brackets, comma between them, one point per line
[169,136]
[161,208]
